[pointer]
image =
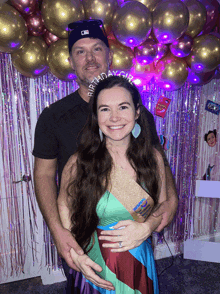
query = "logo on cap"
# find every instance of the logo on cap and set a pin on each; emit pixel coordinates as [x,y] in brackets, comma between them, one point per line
[85,32]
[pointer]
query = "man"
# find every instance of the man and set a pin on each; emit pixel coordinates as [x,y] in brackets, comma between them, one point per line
[57,133]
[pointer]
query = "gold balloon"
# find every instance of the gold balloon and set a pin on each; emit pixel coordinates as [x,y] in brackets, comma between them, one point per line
[122,56]
[132,23]
[171,72]
[150,4]
[57,59]
[205,55]
[13,29]
[197,17]
[30,60]
[101,9]
[57,14]
[170,20]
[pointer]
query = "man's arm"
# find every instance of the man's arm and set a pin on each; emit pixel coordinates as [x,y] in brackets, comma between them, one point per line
[167,208]
[46,194]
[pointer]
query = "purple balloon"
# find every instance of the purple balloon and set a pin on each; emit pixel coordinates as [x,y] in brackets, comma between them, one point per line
[182,46]
[212,7]
[146,52]
[217,73]
[161,51]
[200,79]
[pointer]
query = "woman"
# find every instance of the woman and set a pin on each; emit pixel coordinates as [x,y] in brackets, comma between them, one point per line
[113,182]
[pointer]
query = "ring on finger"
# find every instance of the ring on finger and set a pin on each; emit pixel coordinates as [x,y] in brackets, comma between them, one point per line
[120,244]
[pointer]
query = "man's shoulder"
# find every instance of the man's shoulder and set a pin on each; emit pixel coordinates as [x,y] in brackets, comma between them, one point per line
[66,103]
[69,105]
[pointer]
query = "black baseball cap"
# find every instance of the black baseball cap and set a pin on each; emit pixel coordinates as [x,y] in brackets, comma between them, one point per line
[90,28]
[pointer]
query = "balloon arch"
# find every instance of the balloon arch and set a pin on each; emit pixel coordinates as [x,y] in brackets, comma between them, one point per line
[171,41]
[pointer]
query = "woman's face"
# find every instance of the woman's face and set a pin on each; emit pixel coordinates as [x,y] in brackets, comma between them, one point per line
[116,114]
[211,140]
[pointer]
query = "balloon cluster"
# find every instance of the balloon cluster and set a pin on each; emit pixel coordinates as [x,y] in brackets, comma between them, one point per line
[172,41]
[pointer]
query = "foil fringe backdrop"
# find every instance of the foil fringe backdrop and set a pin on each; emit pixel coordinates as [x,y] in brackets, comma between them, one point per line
[180,127]
[22,101]
[209,207]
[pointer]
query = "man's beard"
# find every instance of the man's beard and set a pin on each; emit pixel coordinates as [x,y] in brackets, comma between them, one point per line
[86,81]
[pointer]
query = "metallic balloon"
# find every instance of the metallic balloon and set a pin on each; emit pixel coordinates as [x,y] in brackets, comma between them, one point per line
[122,56]
[35,24]
[217,72]
[49,38]
[101,9]
[13,29]
[200,79]
[182,46]
[205,55]
[197,17]
[57,14]
[150,4]
[146,53]
[30,60]
[143,72]
[171,73]
[25,7]
[57,59]
[161,51]
[212,7]
[170,20]
[132,23]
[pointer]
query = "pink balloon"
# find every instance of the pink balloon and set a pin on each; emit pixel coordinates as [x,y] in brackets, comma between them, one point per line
[212,7]
[142,73]
[50,38]
[161,51]
[146,52]
[35,24]
[200,79]
[182,46]
[25,7]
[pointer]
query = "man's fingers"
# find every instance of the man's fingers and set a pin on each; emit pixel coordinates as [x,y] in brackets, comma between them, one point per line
[100,281]
[70,262]
[93,265]
[76,247]
[159,228]
[158,211]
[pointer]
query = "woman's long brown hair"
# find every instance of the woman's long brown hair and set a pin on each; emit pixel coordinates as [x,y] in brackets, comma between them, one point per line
[94,164]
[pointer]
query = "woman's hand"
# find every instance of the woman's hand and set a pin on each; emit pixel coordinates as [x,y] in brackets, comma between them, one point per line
[87,267]
[130,236]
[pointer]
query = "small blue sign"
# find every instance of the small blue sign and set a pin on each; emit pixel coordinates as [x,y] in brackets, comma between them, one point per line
[212,107]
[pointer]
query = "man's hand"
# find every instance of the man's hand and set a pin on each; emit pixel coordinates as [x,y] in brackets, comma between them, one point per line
[167,209]
[87,267]
[64,241]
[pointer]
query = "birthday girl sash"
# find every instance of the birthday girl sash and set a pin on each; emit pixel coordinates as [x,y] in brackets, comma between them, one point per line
[131,195]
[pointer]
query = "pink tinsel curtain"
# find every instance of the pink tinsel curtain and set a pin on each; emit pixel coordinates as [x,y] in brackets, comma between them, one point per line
[22,100]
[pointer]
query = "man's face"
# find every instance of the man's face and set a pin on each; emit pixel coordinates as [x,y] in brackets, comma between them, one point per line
[89,58]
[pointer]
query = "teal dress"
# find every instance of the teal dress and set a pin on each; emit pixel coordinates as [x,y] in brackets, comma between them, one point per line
[131,272]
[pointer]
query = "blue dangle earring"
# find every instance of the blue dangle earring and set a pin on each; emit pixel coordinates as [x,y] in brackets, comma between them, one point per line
[100,135]
[136,130]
